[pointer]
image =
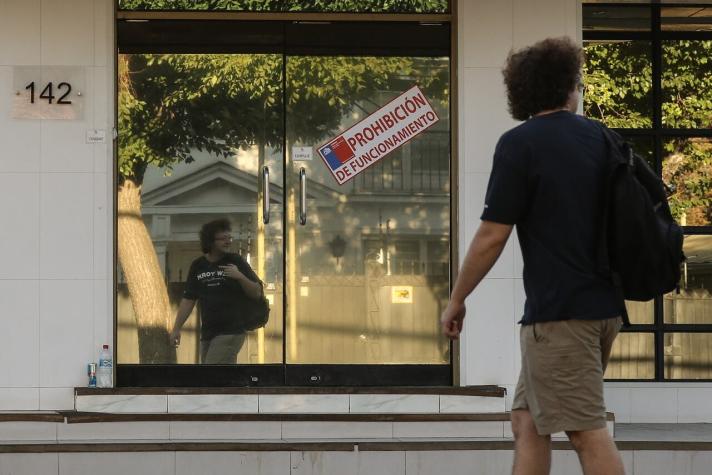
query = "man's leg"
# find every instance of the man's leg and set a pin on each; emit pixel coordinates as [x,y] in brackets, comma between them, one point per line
[532,452]
[224,349]
[595,448]
[597,452]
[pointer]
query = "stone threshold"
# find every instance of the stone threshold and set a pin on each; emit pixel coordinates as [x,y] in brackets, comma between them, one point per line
[27,416]
[76,417]
[485,391]
[319,446]
[282,400]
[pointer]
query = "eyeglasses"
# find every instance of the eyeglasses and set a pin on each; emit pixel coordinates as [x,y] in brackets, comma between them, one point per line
[223,238]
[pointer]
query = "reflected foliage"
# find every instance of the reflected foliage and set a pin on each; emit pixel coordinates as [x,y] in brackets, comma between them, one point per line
[688,166]
[218,103]
[172,104]
[687,84]
[327,6]
[618,79]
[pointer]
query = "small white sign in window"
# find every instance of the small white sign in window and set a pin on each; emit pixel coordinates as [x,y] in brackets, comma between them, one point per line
[96,136]
[301,154]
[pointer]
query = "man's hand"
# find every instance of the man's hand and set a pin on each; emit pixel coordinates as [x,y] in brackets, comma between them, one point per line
[232,271]
[452,319]
[174,337]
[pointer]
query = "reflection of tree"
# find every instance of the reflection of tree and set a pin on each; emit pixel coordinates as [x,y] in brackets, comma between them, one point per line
[410,6]
[172,105]
[618,83]
[618,92]
[688,164]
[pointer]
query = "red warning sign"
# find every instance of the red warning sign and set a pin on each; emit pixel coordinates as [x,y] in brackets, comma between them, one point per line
[374,137]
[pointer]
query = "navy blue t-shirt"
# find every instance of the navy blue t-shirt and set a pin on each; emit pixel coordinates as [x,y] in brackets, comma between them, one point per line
[547,179]
[221,299]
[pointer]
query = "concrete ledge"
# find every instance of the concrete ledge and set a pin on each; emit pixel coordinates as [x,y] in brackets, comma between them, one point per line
[76,417]
[284,400]
[319,446]
[49,416]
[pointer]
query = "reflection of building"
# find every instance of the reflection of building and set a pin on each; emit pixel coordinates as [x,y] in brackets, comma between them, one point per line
[390,227]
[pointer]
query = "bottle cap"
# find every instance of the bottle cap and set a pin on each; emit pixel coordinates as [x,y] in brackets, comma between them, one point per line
[106,347]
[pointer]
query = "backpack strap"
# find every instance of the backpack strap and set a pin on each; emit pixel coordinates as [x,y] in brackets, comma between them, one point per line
[615,145]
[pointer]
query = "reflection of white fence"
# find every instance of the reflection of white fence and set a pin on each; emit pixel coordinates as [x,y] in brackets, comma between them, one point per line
[687,355]
[340,320]
[689,307]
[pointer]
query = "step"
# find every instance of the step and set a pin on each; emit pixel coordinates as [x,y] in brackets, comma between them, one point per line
[281,400]
[342,458]
[73,427]
[646,449]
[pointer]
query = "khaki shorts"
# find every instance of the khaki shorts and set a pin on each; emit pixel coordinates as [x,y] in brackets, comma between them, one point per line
[221,349]
[561,382]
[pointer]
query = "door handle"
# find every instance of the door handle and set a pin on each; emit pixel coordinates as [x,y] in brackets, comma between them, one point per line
[302,196]
[265,195]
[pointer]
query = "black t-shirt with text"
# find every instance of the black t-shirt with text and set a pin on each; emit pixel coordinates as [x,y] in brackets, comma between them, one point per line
[221,298]
[547,179]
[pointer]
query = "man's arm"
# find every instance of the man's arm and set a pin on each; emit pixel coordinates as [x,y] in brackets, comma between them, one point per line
[251,288]
[484,250]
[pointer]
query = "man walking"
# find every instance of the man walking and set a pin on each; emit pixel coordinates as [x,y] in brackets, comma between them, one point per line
[548,179]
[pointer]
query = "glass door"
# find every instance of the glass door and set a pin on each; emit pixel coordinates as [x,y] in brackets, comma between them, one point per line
[353,252]
[200,167]
[367,259]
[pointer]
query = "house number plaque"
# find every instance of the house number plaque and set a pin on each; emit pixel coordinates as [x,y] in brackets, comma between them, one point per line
[48,92]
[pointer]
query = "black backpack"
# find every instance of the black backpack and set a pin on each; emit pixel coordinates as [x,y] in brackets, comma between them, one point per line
[640,247]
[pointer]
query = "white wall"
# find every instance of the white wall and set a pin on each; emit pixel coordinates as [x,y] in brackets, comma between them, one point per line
[55,207]
[487,32]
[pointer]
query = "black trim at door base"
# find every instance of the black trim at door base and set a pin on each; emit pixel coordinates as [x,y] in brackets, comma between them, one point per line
[144,375]
[368,375]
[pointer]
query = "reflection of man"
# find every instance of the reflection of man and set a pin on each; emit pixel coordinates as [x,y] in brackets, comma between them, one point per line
[222,282]
[547,178]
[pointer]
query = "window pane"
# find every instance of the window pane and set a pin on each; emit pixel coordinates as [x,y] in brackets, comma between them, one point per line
[632,357]
[688,356]
[391,276]
[687,165]
[642,313]
[615,18]
[194,133]
[326,6]
[693,304]
[686,19]
[643,146]
[686,84]
[617,75]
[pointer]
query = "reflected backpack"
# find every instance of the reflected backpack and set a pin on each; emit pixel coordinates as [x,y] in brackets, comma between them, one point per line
[640,246]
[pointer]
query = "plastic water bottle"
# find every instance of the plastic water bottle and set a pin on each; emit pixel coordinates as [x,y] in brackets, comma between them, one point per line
[104,372]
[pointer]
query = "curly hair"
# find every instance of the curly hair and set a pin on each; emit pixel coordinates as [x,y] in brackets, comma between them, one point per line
[541,77]
[209,230]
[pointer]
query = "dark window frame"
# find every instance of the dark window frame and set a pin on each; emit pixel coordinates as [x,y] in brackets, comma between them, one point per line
[285,9]
[128,25]
[658,134]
